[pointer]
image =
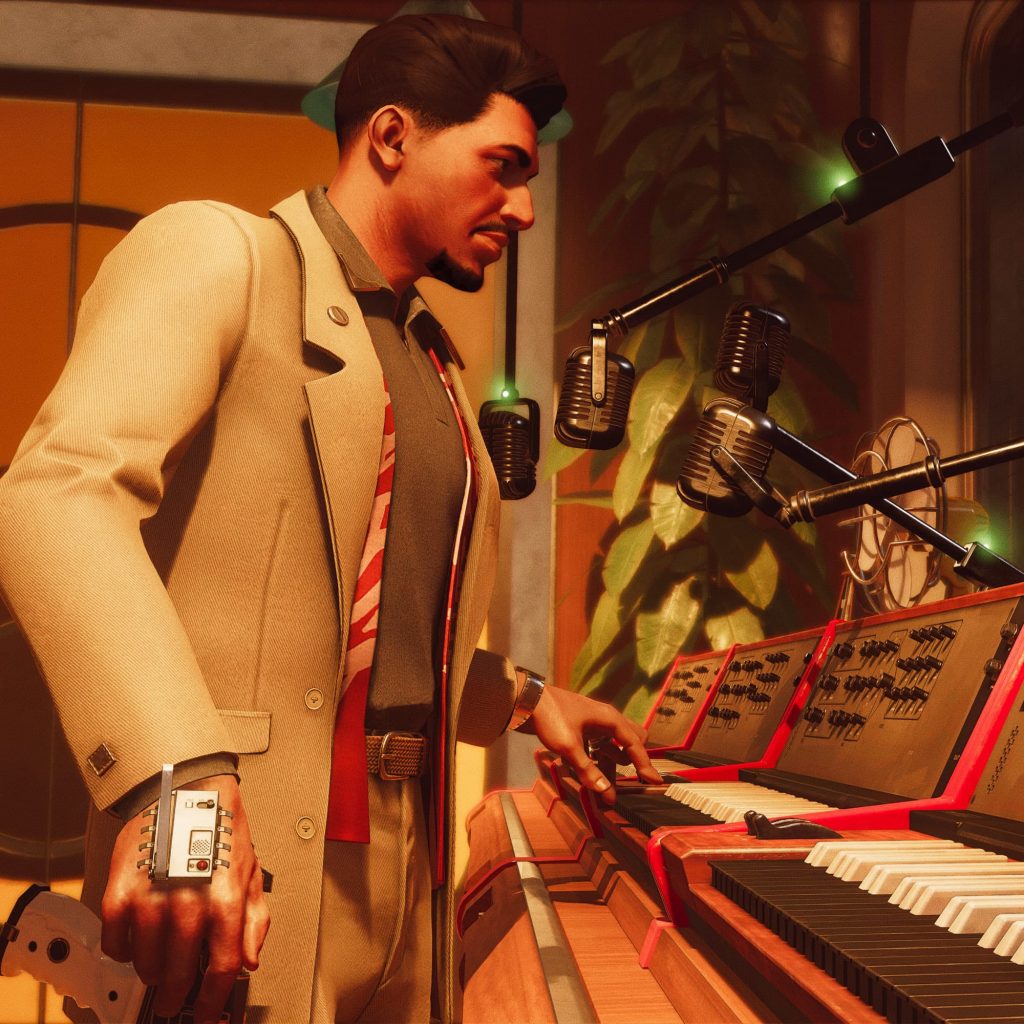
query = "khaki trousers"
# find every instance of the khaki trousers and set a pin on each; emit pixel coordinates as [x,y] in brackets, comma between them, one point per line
[375,953]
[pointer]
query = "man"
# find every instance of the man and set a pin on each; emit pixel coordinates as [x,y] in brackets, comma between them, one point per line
[252,534]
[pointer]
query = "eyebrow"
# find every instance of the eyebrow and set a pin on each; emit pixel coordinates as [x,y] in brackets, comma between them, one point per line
[522,156]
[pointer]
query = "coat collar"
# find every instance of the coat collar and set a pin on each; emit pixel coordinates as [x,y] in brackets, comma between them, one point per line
[322,284]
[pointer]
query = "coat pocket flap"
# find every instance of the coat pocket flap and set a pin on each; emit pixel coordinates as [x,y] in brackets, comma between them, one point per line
[249,730]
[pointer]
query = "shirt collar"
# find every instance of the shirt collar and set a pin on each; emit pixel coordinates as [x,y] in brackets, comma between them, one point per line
[362,274]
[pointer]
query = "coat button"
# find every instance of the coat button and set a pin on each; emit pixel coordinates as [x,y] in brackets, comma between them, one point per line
[305,828]
[314,699]
[338,315]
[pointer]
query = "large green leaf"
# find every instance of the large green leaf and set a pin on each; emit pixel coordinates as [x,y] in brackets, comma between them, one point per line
[600,682]
[642,346]
[670,243]
[623,108]
[736,541]
[627,553]
[599,499]
[639,701]
[778,22]
[826,369]
[789,410]
[557,457]
[662,635]
[739,627]
[708,25]
[626,192]
[817,252]
[657,55]
[665,148]
[605,627]
[673,519]
[633,472]
[657,399]
[793,296]
[800,556]
[758,582]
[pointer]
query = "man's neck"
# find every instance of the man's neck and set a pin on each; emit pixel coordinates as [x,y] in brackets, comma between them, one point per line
[365,213]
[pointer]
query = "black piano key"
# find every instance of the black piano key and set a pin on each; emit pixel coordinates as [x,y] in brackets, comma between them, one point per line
[650,811]
[902,965]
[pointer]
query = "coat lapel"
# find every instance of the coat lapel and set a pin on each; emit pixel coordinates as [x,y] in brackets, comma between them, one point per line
[346,408]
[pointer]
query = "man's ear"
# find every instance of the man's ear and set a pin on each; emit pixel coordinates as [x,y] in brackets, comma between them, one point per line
[387,130]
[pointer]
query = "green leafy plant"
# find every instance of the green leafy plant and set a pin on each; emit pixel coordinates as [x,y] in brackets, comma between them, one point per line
[728,151]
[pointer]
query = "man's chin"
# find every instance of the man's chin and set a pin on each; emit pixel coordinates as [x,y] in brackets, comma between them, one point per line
[464,279]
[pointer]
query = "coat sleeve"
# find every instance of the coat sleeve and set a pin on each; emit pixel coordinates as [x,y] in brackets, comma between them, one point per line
[487,699]
[157,334]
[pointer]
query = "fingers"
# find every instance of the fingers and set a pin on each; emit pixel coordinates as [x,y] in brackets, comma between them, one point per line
[225,940]
[179,963]
[115,930]
[162,928]
[257,922]
[631,739]
[592,777]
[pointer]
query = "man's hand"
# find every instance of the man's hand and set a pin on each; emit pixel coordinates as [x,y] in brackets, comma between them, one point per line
[563,721]
[161,928]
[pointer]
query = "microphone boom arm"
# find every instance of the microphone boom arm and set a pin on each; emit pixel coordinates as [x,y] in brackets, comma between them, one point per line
[975,562]
[852,201]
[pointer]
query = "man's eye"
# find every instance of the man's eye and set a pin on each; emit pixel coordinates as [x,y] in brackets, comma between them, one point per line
[500,162]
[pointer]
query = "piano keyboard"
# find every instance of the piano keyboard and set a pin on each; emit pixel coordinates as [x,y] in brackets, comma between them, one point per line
[709,803]
[626,772]
[922,931]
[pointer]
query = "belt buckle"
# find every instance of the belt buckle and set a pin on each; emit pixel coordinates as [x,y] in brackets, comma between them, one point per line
[382,770]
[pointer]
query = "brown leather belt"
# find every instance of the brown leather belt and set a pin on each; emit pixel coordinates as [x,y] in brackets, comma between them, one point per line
[396,755]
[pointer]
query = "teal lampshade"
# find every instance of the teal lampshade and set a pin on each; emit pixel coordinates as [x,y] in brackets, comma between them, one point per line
[318,103]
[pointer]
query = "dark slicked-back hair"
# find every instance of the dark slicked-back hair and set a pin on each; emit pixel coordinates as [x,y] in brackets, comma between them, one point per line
[445,69]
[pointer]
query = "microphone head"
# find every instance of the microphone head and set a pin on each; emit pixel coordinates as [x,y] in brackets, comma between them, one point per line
[580,422]
[510,441]
[725,423]
[745,325]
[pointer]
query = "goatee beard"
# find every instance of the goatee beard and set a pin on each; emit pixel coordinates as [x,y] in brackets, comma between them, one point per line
[445,269]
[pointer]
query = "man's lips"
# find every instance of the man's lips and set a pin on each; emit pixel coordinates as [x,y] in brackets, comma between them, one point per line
[499,236]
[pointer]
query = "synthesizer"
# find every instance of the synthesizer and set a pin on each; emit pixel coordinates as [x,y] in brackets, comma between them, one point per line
[901,717]
[925,924]
[750,713]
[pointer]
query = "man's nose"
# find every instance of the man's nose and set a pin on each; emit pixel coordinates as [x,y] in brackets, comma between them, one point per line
[517,212]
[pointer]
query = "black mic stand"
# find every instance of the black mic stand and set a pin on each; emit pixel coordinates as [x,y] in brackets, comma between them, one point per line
[975,563]
[514,455]
[879,185]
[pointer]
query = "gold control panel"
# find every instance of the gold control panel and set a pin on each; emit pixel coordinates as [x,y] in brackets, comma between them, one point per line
[899,693]
[689,684]
[758,686]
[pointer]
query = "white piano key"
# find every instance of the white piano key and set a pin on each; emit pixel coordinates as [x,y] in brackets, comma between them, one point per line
[775,811]
[1009,930]
[891,854]
[855,867]
[888,879]
[934,896]
[998,927]
[1018,955]
[971,915]
[822,854]
[907,892]
[728,810]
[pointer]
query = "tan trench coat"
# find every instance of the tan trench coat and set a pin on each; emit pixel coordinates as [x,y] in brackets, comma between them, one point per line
[211,398]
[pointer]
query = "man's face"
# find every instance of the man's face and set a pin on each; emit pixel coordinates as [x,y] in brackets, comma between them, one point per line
[466,189]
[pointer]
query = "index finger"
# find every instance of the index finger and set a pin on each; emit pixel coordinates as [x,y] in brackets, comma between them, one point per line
[631,739]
